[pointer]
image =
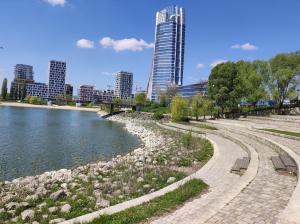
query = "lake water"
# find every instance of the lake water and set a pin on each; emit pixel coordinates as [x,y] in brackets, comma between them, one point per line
[33,140]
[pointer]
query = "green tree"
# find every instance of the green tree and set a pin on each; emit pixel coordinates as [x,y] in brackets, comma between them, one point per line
[117,101]
[251,83]
[23,93]
[140,99]
[34,100]
[16,93]
[207,107]
[284,69]
[179,109]
[223,86]
[4,89]
[196,106]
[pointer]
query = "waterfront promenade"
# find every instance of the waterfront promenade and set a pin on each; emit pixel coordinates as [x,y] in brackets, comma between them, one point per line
[269,198]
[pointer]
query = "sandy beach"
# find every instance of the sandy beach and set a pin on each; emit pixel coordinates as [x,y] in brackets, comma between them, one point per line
[15,104]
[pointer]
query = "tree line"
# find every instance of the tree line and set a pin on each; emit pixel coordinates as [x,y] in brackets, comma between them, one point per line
[233,84]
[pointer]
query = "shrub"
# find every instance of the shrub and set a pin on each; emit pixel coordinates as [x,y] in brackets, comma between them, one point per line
[179,109]
[158,115]
[186,139]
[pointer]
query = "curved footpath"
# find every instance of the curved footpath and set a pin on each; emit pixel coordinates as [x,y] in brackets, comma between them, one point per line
[269,198]
[284,213]
[223,184]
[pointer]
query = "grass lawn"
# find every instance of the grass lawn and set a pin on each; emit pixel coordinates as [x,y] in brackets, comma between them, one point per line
[290,133]
[155,207]
[205,126]
[200,125]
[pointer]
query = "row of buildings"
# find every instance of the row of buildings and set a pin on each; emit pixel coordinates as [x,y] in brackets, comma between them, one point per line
[123,89]
[166,70]
[56,87]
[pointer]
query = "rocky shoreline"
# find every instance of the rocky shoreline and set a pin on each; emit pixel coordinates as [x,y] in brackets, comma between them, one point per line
[25,193]
[59,195]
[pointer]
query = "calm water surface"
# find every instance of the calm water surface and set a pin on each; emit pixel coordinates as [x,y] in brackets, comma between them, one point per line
[36,140]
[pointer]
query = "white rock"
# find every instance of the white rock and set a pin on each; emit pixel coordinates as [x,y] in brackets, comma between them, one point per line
[52,209]
[33,197]
[11,205]
[171,180]
[35,222]
[54,221]
[102,203]
[146,186]
[58,194]
[65,208]
[27,214]
[140,179]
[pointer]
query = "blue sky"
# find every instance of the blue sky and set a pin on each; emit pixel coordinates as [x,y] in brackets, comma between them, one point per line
[36,31]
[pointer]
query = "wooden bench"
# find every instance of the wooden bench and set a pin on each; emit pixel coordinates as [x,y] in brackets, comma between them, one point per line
[240,165]
[287,160]
[277,163]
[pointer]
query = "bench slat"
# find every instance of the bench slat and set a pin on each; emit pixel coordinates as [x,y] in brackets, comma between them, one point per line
[287,160]
[277,163]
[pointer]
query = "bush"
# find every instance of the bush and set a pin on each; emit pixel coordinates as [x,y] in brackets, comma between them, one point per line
[34,100]
[186,139]
[158,115]
[179,109]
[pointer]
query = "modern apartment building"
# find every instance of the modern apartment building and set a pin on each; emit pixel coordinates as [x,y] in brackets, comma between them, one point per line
[37,89]
[57,74]
[23,75]
[23,72]
[123,85]
[188,91]
[69,90]
[103,95]
[168,60]
[86,93]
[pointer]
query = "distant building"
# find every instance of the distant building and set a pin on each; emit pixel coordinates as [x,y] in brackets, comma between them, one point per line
[37,89]
[69,90]
[103,95]
[57,74]
[168,59]
[189,91]
[123,85]
[23,72]
[86,93]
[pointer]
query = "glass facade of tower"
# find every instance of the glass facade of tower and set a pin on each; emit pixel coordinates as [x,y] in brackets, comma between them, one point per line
[168,60]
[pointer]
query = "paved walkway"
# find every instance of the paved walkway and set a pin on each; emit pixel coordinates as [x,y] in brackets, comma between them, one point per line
[260,202]
[215,173]
[265,198]
[224,186]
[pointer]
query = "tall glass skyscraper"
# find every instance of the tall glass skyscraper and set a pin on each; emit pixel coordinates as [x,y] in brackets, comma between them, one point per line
[168,60]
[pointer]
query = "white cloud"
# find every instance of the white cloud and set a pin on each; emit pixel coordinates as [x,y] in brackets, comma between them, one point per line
[107,73]
[218,61]
[130,44]
[246,47]
[84,43]
[200,65]
[56,2]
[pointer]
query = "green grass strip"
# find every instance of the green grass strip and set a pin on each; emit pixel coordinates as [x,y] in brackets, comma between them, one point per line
[205,126]
[155,207]
[290,133]
[199,125]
